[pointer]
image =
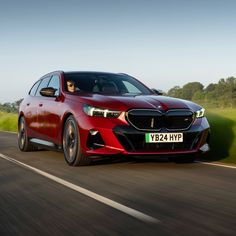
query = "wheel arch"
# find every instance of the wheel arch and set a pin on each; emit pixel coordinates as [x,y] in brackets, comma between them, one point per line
[21,114]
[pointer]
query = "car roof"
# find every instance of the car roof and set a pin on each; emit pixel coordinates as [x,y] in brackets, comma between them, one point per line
[81,72]
[91,72]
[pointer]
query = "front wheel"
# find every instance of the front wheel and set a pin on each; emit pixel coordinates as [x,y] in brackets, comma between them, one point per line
[71,144]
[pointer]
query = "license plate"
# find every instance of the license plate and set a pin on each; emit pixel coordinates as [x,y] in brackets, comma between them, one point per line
[164,137]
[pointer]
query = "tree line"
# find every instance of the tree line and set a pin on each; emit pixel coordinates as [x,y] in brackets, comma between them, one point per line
[218,95]
[11,107]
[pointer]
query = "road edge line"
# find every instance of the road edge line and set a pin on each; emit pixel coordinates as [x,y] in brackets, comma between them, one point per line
[216,164]
[120,207]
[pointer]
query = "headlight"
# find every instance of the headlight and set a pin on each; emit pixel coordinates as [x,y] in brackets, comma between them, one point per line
[200,113]
[99,112]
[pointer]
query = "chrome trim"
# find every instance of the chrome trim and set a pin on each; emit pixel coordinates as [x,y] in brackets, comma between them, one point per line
[42,142]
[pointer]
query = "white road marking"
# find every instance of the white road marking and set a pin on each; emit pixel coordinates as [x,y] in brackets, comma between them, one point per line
[216,164]
[127,210]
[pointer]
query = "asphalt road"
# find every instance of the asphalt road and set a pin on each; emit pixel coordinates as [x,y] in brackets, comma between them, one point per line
[184,199]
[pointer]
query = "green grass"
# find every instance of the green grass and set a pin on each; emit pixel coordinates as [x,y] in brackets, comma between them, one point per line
[223,132]
[8,121]
[223,135]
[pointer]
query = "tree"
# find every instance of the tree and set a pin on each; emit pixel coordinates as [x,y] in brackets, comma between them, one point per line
[175,92]
[210,88]
[191,88]
[11,107]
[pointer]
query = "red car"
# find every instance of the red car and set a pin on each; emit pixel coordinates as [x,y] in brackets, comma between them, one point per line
[91,115]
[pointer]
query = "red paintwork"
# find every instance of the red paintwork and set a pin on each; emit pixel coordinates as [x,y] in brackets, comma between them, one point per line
[45,117]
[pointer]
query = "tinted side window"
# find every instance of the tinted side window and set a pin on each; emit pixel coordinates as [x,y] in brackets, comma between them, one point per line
[34,88]
[54,83]
[43,84]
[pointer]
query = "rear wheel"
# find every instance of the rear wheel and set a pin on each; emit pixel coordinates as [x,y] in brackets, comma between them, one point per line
[71,144]
[23,140]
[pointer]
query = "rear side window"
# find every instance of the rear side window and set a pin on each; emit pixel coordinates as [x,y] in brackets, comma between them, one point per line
[43,84]
[54,83]
[34,88]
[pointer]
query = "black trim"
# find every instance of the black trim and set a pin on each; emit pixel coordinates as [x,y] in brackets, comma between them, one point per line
[155,120]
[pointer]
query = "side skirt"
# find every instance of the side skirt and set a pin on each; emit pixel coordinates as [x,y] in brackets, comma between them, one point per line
[45,144]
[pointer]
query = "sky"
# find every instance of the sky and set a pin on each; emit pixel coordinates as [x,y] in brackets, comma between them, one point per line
[163,43]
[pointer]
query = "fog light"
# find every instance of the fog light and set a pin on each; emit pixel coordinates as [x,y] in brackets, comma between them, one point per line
[95,140]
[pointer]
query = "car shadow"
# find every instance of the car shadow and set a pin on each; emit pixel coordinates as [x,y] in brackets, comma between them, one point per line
[131,160]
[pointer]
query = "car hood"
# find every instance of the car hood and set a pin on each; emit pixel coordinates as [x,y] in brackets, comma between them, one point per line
[124,103]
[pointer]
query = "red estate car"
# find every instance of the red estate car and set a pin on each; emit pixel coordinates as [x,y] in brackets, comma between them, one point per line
[96,114]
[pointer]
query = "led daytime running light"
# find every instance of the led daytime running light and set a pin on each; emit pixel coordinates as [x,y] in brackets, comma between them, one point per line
[200,113]
[98,112]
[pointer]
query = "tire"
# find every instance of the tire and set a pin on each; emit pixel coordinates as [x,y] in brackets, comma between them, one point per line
[71,144]
[23,140]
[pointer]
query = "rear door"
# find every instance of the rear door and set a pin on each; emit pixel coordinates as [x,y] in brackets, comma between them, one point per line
[31,111]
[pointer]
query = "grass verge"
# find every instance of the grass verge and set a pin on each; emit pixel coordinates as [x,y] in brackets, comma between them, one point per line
[8,121]
[223,135]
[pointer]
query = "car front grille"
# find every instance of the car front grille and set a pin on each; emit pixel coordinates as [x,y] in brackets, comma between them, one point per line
[151,119]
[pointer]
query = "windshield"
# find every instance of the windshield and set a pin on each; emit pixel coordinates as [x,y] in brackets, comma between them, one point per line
[104,83]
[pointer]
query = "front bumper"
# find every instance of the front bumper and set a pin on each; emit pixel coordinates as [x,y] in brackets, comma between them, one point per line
[119,138]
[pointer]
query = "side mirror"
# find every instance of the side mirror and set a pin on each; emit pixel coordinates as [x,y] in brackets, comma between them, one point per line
[48,92]
[157,91]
